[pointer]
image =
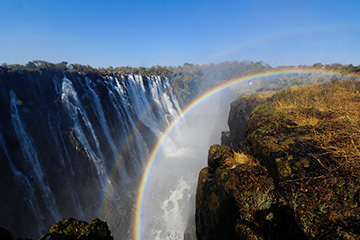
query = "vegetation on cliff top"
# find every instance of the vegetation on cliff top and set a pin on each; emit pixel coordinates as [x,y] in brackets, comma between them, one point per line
[190,80]
[309,139]
[298,176]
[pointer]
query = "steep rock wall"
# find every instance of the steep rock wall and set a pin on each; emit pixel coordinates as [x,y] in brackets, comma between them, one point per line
[236,199]
[240,112]
[68,141]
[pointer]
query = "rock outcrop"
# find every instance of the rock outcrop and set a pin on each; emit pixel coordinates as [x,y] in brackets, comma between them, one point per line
[72,229]
[237,199]
[240,111]
[297,176]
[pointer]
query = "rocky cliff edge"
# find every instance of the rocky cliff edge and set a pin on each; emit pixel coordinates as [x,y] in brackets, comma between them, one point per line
[297,174]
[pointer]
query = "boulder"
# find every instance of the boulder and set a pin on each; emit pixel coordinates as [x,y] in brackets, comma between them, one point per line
[69,228]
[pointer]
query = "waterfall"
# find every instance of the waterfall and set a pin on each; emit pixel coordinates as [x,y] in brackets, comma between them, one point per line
[68,141]
[81,123]
[31,161]
[24,183]
[169,201]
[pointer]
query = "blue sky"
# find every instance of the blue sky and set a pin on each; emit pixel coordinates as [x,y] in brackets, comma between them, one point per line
[104,33]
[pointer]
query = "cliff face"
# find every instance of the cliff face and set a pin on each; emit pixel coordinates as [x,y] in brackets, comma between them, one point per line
[240,111]
[63,135]
[237,199]
[297,176]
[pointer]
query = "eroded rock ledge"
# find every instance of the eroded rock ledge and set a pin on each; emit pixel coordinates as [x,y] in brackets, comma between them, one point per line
[297,175]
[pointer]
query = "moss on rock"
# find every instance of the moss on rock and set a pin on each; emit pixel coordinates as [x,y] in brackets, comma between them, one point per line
[72,229]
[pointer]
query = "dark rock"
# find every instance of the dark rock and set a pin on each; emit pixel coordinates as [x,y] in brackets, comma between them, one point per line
[225,138]
[69,228]
[240,111]
[238,200]
[5,234]
[218,154]
[63,148]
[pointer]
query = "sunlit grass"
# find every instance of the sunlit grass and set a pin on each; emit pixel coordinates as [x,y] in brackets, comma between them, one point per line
[311,136]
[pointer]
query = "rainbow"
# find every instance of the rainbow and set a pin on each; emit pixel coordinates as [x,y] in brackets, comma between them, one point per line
[195,103]
[129,140]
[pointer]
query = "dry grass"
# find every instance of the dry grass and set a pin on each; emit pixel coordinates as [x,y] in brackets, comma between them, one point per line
[331,115]
[309,140]
[241,158]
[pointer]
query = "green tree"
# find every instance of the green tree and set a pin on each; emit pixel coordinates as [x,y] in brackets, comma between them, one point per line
[30,65]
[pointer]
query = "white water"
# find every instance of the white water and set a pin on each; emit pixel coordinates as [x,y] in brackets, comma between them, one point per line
[135,97]
[69,172]
[63,137]
[101,116]
[24,183]
[171,186]
[94,116]
[32,164]
[76,112]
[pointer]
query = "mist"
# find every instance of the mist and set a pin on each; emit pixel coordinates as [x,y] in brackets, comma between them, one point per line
[169,199]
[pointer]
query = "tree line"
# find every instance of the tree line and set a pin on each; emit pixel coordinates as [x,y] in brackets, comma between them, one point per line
[189,80]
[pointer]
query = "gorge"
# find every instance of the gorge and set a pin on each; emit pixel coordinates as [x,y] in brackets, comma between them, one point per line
[75,145]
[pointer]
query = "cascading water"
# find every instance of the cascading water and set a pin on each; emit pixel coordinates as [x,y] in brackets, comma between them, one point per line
[169,199]
[73,145]
[80,123]
[24,183]
[68,141]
